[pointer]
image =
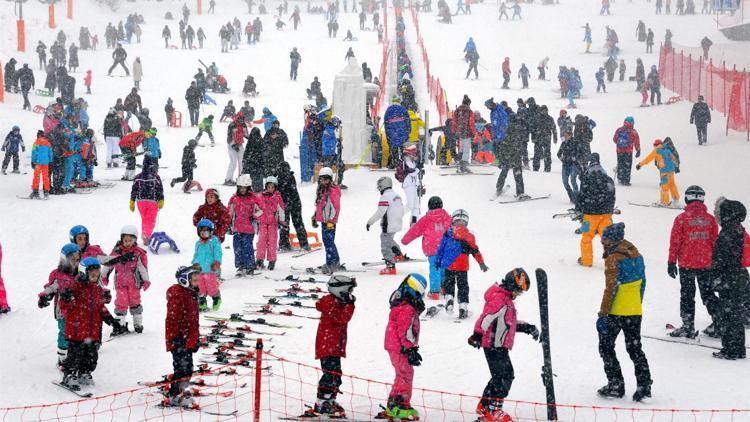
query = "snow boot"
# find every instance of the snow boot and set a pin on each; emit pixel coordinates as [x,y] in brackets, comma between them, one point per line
[712,331]
[259,264]
[122,319]
[216,300]
[271,265]
[580,262]
[202,304]
[642,392]
[138,323]
[614,389]
[463,312]
[449,304]
[240,273]
[726,356]
[250,271]
[686,330]
[46,194]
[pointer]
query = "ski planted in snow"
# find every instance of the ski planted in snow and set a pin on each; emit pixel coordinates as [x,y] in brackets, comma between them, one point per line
[547,375]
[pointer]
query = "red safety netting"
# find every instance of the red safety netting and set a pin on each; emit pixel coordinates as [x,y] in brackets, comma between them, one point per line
[725,90]
[434,88]
[375,110]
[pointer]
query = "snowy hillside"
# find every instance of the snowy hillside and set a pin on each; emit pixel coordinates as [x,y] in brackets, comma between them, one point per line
[509,235]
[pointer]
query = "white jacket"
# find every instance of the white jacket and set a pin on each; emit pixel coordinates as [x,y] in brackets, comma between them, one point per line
[390,212]
[412,173]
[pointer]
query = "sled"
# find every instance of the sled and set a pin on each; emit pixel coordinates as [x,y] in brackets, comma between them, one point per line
[159,238]
[208,100]
[674,99]
[39,109]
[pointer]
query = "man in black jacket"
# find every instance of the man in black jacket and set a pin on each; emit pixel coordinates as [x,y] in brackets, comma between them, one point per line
[731,279]
[509,153]
[293,206]
[112,135]
[596,201]
[274,142]
[193,96]
[700,116]
[119,56]
[26,80]
[545,132]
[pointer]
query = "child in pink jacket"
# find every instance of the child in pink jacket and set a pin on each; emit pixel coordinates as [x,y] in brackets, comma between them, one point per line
[4,307]
[432,226]
[402,344]
[243,209]
[131,275]
[495,331]
[272,207]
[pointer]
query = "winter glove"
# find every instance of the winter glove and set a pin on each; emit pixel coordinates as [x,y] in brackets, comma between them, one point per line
[160,204]
[483,267]
[43,301]
[367,227]
[66,295]
[637,154]
[330,226]
[534,333]
[132,206]
[475,340]
[23,149]
[637,166]
[602,325]
[146,284]
[672,270]
[412,355]
[215,266]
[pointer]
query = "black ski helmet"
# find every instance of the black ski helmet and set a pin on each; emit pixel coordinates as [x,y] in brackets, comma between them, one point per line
[517,280]
[434,203]
[694,193]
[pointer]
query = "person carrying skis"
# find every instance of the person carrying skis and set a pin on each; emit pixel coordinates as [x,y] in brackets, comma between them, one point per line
[626,139]
[148,193]
[41,158]
[729,269]
[495,332]
[272,215]
[327,211]
[182,334]
[621,310]
[84,306]
[293,207]
[131,276]
[13,141]
[207,259]
[691,246]
[453,255]
[596,203]
[214,211]
[60,279]
[402,345]
[667,164]
[336,310]
[206,125]
[390,212]
[464,127]
[243,208]
[188,163]
[431,227]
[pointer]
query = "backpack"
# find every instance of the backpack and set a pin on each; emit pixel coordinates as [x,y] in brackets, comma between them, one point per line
[623,139]
[746,250]
[400,171]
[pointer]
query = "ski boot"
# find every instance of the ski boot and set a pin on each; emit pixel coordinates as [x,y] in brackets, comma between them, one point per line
[250,271]
[120,330]
[240,273]
[138,323]
[721,354]
[580,262]
[46,194]
[85,379]
[259,264]
[183,400]
[216,303]
[34,194]
[390,269]
[463,312]
[642,392]
[687,330]
[271,265]
[493,412]
[71,382]
[449,304]
[433,295]
[522,197]
[403,412]
[614,389]
[712,331]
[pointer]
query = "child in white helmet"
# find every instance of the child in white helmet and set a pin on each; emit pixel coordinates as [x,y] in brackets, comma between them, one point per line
[390,212]
[272,207]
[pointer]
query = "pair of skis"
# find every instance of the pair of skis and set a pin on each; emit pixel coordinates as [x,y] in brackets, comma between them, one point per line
[237,317]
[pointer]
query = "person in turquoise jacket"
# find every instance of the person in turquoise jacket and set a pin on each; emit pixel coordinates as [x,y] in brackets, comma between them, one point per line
[207,259]
[73,161]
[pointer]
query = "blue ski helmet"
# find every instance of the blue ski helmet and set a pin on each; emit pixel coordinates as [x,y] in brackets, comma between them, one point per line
[204,223]
[183,275]
[69,249]
[76,230]
[414,284]
[85,266]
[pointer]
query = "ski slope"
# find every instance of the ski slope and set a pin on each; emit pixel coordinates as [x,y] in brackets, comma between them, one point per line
[509,235]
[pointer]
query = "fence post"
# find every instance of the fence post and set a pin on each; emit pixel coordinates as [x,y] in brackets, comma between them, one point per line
[2,87]
[51,15]
[724,77]
[710,79]
[258,372]
[690,76]
[70,9]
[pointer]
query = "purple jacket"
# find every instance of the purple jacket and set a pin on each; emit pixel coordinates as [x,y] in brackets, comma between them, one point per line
[497,323]
[402,329]
[147,187]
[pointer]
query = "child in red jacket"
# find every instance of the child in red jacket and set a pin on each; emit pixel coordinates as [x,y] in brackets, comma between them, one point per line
[83,304]
[336,310]
[87,81]
[453,255]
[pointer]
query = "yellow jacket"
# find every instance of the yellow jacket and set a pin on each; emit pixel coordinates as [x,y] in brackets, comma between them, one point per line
[625,277]
[416,123]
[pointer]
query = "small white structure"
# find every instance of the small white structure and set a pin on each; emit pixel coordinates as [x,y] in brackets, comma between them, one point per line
[349,99]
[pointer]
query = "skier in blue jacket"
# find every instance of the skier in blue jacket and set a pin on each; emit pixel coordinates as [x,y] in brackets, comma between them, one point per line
[13,141]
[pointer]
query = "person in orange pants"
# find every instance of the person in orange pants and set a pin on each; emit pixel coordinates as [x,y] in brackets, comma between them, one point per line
[666,162]
[596,203]
[41,157]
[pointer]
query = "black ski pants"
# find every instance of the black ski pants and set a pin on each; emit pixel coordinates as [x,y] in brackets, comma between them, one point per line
[631,328]
[517,175]
[501,373]
[293,72]
[58,173]
[187,176]
[542,151]
[731,304]
[82,357]
[8,157]
[182,365]
[121,63]
[460,278]
[328,386]
[473,65]
[624,166]
[688,280]
[193,111]
[702,134]
[295,215]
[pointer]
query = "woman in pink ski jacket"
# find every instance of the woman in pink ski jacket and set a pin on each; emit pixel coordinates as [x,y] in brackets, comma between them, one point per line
[432,226]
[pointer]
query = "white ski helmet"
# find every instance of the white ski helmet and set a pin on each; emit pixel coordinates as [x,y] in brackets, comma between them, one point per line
[326,171]
[271,179]
[341,286]
[244,180]
[384,183]
[129,230]
[460,215]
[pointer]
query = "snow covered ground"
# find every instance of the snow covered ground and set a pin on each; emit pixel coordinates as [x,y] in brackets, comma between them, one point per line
[511,235]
